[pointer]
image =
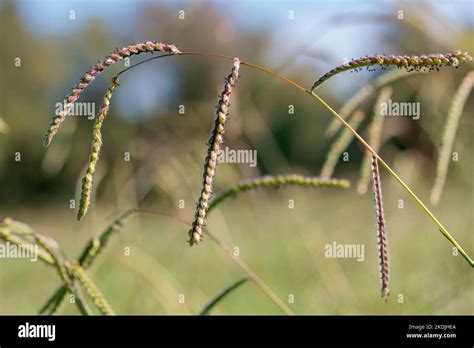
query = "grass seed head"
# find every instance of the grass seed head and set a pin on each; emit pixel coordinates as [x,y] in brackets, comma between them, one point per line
[381,230]
[215,142]
[410,63]
[87,181]
[95,71]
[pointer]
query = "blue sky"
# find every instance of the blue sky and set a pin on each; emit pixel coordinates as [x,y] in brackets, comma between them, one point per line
[51,17]
[307,29]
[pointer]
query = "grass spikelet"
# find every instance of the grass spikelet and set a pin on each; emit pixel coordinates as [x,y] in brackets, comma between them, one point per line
[410,63]
[215,143]
[375,133]
[87,181]
[95,71]
[91,289]
[269,181]
[216,299]
[340,144]
[365,93]
[381,230]
[447,142]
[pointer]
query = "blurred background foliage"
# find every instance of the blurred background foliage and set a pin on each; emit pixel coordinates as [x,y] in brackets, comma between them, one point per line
[285,246]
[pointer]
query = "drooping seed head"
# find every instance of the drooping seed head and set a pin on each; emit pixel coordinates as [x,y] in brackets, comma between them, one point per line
[87,181]
[215,142]
[381,230]
[95,71]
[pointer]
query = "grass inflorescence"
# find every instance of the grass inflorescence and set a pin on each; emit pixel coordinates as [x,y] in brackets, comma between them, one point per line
[95,71]
[86,189]
[381,228]
[73,273]
[270,181]
[214,143]
[411,63]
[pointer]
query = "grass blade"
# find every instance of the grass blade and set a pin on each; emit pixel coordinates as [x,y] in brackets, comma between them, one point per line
[220,296]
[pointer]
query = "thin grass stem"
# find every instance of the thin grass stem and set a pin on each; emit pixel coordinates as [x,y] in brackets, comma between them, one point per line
[221,295]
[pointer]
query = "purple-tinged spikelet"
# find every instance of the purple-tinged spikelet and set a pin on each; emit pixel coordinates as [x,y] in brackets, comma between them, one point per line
[381,230]
[411,63]
[95,71]
[215,143]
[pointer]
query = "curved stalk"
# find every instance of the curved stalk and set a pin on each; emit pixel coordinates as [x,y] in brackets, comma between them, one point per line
[294,84]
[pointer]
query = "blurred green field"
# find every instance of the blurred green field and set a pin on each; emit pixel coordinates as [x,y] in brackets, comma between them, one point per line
[284,246]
